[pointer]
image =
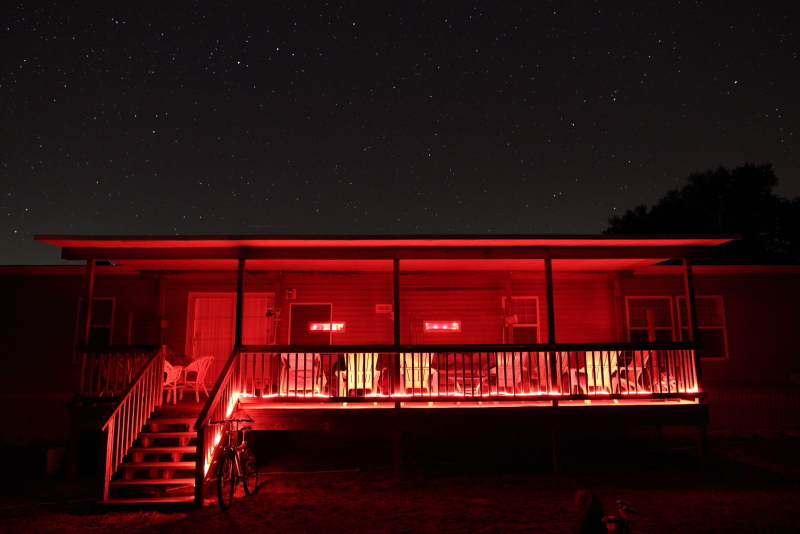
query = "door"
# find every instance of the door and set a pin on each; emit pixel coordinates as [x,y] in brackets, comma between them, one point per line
[214,321]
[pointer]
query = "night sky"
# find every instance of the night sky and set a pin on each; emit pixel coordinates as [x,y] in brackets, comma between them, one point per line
[174,117]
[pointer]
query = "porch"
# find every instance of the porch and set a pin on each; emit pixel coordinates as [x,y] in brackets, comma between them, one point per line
[499,374]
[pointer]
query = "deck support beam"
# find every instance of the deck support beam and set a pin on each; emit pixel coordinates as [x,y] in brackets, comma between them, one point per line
[86,305]
[555,439]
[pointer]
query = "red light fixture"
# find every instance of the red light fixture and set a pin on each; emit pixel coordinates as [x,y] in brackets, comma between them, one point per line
[325,327]
[443,326]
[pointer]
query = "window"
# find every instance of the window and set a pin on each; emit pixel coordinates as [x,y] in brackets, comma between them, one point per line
[522,315]
[102,322]
[443,326]
[711,325]
[649,319]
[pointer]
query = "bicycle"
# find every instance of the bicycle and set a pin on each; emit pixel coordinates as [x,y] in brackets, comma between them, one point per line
[236,462]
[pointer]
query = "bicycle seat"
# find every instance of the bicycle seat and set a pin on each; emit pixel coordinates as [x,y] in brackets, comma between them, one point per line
[244,428]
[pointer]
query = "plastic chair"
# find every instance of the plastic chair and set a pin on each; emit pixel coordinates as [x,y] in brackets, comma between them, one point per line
[508,370]
[600,365]
[172,374]
[361,376]
[200,368]
[418,377]
[629,375]
[301,373]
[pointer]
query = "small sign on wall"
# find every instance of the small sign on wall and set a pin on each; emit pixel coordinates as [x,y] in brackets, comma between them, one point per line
[291,294]
[383,308]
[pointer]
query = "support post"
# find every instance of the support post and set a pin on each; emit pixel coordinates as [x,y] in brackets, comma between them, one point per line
[551,310]
[395,385]
[397,443]
[703,438]
[691,316]
[556,445]
[555,371]
[199,470]
[86,306]
[162,309]
[239,303]
[396,299]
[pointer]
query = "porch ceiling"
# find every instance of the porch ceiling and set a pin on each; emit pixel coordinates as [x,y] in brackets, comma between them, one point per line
[375,253]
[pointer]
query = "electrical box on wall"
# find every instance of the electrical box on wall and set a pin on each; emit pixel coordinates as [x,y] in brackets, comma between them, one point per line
[291,294]
[383,308]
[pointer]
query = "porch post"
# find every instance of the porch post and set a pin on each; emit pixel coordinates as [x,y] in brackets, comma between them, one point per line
[237,339]
[396,299]
[551,310]
[395,362]
[86,306]
[694,335]
[555,371]
[691,314]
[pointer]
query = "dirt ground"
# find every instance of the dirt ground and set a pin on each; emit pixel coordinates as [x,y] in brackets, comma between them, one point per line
[485,484]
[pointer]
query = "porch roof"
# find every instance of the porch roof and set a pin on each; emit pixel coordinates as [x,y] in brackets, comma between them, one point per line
[375,253]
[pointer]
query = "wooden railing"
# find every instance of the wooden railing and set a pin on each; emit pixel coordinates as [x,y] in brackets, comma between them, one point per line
[498,371]
[108,371]
[130,413]
[443,372]
[219,406]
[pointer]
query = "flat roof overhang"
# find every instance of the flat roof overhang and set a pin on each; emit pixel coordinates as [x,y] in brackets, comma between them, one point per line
[376,253]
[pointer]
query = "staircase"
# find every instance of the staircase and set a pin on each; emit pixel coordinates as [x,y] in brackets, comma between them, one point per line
[160,466]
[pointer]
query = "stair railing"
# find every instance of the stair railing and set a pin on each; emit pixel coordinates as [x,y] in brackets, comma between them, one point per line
[130,413]
[220,404]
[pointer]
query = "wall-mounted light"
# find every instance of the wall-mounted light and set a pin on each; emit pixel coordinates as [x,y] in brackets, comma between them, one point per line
[443,326]
[325,327]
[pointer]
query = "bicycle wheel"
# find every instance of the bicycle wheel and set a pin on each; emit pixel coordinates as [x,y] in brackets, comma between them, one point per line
[226,480]
[249,472]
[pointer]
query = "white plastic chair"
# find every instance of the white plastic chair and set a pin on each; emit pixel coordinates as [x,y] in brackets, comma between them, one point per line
[361,376]
[418,376]
[301,373]
[600,365]
[199,367]
[630,374]
[172,374]
[508,370]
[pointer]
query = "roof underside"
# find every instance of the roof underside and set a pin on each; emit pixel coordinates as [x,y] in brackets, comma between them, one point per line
[375,253]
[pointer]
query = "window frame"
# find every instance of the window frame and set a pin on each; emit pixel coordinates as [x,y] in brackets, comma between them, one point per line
[724,326]
[537,325]
[668,298]
[78,325]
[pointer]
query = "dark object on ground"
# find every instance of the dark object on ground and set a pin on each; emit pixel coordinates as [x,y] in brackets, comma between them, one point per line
[590,514]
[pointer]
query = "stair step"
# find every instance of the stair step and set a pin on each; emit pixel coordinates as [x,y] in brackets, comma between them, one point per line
[164,448]
[145,500]
[172,420]
[158,465]
[153,482]
[168,434]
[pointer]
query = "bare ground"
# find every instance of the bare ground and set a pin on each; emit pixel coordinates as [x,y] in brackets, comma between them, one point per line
[333,483]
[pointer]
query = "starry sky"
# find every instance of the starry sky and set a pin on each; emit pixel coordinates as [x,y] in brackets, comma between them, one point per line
[412,117]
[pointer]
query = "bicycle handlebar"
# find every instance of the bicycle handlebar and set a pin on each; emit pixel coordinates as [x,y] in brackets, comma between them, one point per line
[248,420]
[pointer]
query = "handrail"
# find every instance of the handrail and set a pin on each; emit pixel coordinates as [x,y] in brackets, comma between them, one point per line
[130,413]
[109,370]
[215,408]
[493,347]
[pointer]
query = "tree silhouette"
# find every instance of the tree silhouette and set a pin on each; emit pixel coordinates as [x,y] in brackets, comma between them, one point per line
[739,201]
